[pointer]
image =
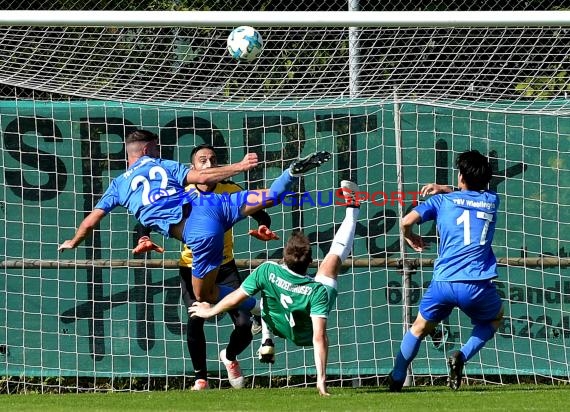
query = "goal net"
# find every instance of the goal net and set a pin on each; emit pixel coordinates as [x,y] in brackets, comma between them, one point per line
[395,101]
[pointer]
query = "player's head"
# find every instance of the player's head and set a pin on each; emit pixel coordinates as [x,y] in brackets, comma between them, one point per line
[474,170]
[297,254]
[203,157]
[142,142]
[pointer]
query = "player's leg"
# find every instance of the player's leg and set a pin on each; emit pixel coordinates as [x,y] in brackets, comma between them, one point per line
[241,336]
[195,338]
[237,206]
[204,235]
[482,303]
[343,238]
[266,351]
[431,311]
[256,326]
[204,287]
[206,290]
[240,339]
[409,348]
[261,199]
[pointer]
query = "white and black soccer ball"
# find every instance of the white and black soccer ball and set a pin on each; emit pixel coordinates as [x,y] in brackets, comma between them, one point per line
[245,43]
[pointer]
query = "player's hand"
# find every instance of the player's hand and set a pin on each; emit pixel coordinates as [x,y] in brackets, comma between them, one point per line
[248,162]
[416,242]
[68,244]
[434,188]
[200,310]
[263,233]
[147,245]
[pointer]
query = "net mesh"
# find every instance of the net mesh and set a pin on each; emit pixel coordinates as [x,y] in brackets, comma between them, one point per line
[69,95]
[188,67]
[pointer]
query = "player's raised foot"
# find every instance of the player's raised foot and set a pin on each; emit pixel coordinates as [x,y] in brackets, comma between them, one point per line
[200,385]
[456,364]
[302,166]
[266,352]
[349,190]
[234,371]
[256,325]
[394,385]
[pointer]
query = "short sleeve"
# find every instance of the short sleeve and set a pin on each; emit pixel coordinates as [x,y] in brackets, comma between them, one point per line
[110,198]
[320,303]
[428,209]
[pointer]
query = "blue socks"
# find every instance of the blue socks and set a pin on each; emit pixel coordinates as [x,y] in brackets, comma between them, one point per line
[246,305]
[480,335]
[281,185]
[408,350]
[410,346]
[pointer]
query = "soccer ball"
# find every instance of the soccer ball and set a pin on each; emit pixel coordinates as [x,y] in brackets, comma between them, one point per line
[245,43]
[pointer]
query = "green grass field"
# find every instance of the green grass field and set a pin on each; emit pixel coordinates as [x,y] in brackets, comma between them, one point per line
[472,398]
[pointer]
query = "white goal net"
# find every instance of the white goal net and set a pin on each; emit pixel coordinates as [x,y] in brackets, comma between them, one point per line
[394,102]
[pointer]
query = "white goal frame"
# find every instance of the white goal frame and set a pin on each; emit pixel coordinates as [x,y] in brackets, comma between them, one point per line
[351,19]
[101,18]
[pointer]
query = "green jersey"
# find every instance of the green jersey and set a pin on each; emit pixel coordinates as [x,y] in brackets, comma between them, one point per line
[289,301]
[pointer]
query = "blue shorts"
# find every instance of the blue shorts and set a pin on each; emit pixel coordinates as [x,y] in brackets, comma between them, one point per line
[205,227]
[477,299]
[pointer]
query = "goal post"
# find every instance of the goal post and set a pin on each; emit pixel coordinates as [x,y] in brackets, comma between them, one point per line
[429,86]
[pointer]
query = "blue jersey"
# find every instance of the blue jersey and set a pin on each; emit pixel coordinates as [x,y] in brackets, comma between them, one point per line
[152,190]
[466,224]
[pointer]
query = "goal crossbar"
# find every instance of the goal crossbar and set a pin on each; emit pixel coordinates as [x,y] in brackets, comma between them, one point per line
[102,18]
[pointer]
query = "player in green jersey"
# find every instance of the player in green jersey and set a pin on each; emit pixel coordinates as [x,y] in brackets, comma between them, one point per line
[295,306]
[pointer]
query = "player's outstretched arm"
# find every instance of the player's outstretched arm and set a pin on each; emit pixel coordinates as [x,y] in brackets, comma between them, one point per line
[84,229]
[415,241]
[321,349]
[206,310]
[212,175]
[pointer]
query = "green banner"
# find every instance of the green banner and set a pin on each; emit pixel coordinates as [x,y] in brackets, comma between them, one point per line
[58,158]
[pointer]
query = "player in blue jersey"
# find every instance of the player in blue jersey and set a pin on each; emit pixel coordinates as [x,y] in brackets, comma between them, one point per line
[464,269]
[203,157]
[153,190]
[296,306]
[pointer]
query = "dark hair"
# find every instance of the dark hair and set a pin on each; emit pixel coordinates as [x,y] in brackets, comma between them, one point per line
[141,136]
[200,147]
[475,169]
[297,254]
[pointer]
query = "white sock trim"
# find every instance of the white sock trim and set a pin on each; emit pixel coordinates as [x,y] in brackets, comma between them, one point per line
[327,281]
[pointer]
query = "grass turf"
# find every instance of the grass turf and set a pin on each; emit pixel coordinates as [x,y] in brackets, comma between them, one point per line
[471,398]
